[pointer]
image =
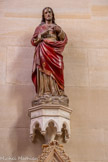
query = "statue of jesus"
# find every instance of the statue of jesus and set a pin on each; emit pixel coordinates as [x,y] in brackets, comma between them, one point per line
[47,74]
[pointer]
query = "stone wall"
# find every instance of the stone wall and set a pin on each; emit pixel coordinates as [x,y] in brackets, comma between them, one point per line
[86,75]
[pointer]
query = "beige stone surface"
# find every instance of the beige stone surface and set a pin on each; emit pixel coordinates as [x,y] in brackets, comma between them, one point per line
[2,65]
[100,10]
[14,101]
[77,75]
[86,145]
[31,6]
[17,32]
[86,75]
[76,67]
[98,67]
[99,2]
[92,103]
[106,144]
[19,65]
[15,142]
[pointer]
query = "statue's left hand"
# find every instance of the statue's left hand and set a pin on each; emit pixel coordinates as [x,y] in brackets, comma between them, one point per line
[57,29]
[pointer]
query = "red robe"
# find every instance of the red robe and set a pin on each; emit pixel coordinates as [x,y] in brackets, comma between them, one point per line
[48,58]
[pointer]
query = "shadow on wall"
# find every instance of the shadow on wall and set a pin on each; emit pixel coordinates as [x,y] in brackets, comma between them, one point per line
[21,94]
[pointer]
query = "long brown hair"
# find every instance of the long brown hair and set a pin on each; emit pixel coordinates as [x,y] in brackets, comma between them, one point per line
[43,18]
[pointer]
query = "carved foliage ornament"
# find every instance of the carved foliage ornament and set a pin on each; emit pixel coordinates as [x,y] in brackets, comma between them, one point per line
[53,152]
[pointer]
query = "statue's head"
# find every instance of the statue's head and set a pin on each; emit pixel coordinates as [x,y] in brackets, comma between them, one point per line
[51,16]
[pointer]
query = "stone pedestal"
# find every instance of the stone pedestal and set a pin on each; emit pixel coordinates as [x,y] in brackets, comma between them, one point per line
[51,122]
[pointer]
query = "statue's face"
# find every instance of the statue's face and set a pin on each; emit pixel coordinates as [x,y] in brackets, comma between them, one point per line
[48,14]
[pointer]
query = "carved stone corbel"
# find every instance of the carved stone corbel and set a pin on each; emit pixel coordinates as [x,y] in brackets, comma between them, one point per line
[50,122]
